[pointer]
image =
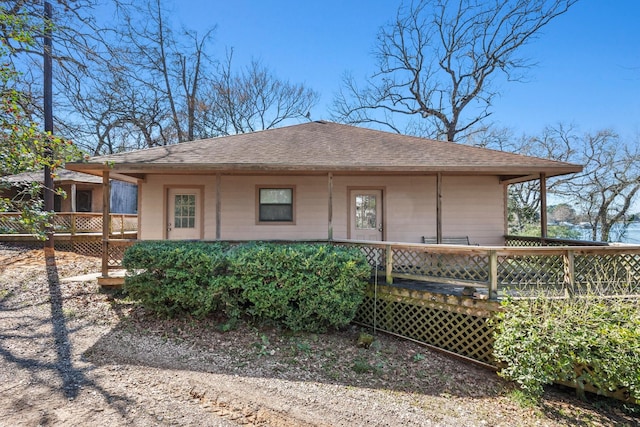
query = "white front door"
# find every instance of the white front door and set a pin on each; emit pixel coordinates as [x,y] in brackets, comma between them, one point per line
[183,214]
[366,215]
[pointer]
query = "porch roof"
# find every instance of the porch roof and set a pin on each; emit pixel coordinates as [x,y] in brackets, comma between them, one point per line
[63,176]
[318,147]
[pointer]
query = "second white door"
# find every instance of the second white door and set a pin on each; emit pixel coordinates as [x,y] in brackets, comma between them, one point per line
[366,215]
[183,216]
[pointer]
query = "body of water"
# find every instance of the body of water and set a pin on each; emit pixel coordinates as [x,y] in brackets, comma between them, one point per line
[618,234]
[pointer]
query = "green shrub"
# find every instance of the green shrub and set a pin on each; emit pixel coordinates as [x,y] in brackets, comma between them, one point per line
[581,340]
[301,286]
[172,278]
[304,287]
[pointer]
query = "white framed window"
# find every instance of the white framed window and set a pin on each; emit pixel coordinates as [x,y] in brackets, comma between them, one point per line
[275,205]
[184,211]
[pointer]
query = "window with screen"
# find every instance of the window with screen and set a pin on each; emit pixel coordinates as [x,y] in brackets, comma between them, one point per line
[275,204]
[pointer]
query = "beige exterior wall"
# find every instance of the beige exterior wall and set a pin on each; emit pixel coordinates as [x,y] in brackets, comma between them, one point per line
[153,209]
[409,205]
[96,196]
[238,208]
[471,206]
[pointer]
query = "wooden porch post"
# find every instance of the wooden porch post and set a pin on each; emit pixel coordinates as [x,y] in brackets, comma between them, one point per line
[543,205]
[218,206]
[493,275]
[388,250]
[330,207]
[73,197]
[439,208]
[106,195]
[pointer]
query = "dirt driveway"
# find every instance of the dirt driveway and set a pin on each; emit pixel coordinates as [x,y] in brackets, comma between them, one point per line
[72,355]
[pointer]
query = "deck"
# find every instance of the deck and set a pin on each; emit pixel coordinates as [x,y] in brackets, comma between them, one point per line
[71,223]
[79,232]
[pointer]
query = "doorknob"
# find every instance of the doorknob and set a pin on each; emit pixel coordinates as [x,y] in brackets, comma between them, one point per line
[380,228]
[169,227]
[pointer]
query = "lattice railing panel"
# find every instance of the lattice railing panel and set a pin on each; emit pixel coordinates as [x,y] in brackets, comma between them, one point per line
[468,266]
[528,241]
[375,255]
[530,270]
[516,241]
[467,335]
[123,223]
[612,273]
[9,224]
[78,222]
[62,223]
[130,223]
[88,223]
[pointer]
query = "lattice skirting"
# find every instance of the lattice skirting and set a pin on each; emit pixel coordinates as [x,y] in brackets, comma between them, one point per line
[86,248]
[454,328]
[81,247]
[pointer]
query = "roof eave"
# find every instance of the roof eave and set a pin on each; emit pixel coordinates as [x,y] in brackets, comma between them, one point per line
[510,174]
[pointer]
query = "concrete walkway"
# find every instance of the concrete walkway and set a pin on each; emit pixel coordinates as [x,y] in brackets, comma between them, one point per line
[92,276]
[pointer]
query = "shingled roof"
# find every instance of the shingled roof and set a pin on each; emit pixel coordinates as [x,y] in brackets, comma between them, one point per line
[323,147]
[62,176]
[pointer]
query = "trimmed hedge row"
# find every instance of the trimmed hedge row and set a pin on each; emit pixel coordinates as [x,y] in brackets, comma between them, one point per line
[301,286]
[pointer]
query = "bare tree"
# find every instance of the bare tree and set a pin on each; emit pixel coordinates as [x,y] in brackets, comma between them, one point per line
[603,193]
[77,45]
[252,99]
[145,91]
[131,80]
[438,61]
[114,113]
[170,69]
[562,213]
[609,183]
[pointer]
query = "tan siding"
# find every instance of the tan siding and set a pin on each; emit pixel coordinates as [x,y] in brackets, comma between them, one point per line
[238,216]
[65,204]
[474,207]
[152,197]
[96,197]
[410,205]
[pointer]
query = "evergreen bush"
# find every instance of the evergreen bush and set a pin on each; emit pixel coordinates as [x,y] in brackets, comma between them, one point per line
[581,339]
[301,286]
[304,287]
[173,278]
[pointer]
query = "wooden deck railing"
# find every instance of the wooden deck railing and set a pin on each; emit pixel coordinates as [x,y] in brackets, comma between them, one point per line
[552,269]
[548,241]
[521,270]
[75,223]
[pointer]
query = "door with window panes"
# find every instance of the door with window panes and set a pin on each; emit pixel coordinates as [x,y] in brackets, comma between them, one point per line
[366,215]
[183,216]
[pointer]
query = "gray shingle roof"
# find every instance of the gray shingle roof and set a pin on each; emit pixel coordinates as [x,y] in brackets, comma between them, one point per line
[325,146]
[63,176]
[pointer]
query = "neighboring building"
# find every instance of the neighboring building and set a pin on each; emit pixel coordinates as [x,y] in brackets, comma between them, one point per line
[322,180]
[83,191]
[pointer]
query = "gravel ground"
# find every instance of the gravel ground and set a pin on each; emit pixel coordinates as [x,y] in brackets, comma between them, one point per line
[73,355]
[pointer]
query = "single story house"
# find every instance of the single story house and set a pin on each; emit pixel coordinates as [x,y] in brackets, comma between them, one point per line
[83,191]
[322,181]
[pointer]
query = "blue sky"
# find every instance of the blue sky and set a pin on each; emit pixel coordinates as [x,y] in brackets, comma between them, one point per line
[588,60]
